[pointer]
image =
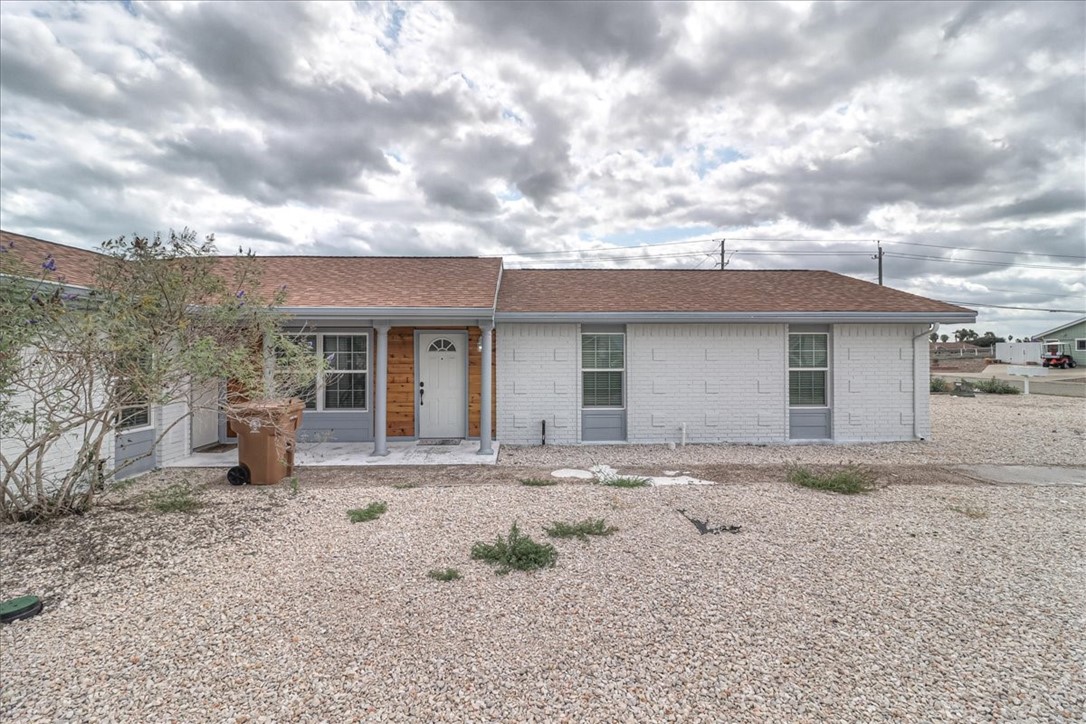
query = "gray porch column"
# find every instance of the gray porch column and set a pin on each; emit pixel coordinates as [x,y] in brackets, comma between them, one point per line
[484,397]
[380,392]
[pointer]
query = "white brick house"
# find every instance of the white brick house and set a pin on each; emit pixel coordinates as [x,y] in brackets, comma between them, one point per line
[734,356]
[583,356]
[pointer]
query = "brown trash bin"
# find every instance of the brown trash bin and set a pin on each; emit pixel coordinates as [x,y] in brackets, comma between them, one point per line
[266,433]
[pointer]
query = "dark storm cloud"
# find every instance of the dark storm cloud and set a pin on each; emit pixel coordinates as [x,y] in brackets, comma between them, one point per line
[1057,201]
[448,191]
[592,33]
[280,165]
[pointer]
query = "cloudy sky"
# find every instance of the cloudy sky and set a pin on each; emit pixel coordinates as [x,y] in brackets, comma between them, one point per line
[584,134]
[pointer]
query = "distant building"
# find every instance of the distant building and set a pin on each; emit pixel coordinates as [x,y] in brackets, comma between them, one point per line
[1073,334]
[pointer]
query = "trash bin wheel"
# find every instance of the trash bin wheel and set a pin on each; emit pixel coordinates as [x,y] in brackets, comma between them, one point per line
[238,475]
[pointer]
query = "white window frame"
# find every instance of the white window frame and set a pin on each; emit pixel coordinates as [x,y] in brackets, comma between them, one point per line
[127,429]
[1080,344]
[319,383]
[621,370]
[826,369]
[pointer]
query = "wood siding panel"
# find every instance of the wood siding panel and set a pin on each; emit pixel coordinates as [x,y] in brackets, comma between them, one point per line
[401,381]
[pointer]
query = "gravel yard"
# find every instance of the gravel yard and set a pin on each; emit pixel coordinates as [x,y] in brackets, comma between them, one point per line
[1004,429]
[913,603]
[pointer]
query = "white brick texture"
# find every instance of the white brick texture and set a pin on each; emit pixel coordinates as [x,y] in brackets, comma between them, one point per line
[724,381]
[875,368]
[538,380]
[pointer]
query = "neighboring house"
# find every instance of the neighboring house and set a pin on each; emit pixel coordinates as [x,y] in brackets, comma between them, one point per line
[639,356]
[1072,334]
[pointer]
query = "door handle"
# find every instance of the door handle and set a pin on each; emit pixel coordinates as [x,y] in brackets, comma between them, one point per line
[421,393]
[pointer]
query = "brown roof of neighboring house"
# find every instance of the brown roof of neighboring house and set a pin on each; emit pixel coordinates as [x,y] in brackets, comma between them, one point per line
[73,266]
[658,290]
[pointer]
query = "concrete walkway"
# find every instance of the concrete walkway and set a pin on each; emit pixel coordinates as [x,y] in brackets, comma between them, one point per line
[358,454]
[1025,474]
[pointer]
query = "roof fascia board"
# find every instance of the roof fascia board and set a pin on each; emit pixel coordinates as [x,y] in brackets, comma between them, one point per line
[390,312]
[764,317]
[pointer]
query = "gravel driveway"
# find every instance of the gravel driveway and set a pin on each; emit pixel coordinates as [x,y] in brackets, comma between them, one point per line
[914,603]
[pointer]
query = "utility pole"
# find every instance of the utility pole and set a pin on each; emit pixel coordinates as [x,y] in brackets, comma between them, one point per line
[722,262]
[879,256]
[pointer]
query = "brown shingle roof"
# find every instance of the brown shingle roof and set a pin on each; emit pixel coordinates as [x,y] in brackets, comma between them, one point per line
[471,282]
[73,266]
[318,281]
[659,290]
[382,281]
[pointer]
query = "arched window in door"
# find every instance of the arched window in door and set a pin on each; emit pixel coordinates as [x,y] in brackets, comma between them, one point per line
[442,345]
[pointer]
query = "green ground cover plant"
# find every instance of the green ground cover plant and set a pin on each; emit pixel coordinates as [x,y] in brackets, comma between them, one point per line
[580,529]
[538,482]
[373,511]
[515,552]
[848,480]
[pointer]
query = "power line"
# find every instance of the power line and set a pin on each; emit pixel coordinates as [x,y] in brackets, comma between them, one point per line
[988,251]
[1028,309]
[978,261]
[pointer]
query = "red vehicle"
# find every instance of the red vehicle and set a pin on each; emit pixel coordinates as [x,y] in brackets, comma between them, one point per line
[1057,354]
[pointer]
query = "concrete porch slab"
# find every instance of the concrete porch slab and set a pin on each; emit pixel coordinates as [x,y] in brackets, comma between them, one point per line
[358,454]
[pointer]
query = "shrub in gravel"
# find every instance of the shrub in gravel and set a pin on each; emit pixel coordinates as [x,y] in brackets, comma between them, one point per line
[373,511]
[849,480]
[581,529]
[626,482]
[445,574]
[995,387]
[176,498]
[938,384]
[538,482]
[515,552]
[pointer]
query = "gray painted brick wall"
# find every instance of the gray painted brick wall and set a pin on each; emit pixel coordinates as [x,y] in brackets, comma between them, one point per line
[873,379]
[725,381]
[537,379]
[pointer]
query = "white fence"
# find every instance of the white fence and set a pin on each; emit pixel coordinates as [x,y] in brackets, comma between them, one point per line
[1018,353]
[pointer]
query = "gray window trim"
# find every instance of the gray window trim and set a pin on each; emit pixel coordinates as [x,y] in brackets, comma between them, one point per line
[799,330]
[368,371]
[614,331]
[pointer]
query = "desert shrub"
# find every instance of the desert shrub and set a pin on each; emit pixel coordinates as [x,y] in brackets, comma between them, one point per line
[995,387]
[938,384]
[176,498]
[626,482]
[373,511]
[581,529]
[445,574]
[515,552]
[849,480]
[538,482]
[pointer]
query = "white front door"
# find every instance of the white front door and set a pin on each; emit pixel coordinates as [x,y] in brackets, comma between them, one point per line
[441,384]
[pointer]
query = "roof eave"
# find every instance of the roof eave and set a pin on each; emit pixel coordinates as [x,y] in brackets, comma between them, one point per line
[965,315]
[389,313]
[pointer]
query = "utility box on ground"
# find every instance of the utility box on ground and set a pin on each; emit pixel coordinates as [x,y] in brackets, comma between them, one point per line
[267,432]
